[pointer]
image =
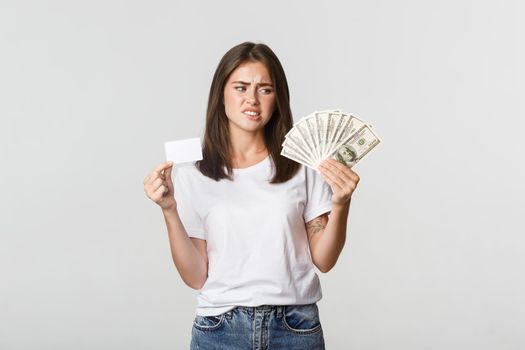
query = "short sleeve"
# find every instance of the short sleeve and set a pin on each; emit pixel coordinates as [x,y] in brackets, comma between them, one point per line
[318,195]
[185,199]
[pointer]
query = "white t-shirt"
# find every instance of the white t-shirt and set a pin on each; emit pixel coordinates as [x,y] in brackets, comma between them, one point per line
[257,245]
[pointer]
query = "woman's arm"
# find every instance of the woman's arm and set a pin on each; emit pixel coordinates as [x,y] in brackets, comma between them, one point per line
[326,237]
[190,258]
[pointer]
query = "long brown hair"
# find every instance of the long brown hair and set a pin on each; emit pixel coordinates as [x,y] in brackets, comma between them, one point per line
[216,144]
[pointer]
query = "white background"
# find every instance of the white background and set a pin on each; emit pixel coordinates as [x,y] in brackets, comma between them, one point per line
[90,91]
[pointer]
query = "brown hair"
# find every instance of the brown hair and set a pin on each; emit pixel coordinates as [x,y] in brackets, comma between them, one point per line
[216,144]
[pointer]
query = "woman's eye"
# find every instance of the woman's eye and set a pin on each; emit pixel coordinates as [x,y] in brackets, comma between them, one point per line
[239,87]
[267,91]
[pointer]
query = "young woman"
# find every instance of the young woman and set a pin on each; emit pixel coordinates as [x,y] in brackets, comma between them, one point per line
[246,225]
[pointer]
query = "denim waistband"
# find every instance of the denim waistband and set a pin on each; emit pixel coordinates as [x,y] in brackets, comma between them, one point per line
[260,307]
[252,310]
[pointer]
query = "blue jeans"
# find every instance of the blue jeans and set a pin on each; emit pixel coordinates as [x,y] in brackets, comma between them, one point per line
[266,327]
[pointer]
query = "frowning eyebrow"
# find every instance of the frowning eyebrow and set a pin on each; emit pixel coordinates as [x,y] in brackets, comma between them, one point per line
[246,83]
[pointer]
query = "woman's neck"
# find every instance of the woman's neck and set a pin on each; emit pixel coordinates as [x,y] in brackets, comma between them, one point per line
[247,147]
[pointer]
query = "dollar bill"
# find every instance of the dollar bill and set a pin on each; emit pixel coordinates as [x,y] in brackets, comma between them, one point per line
[301,134]
[310,124]
[350,125]
[298,146]
[327,124]
[326,134]
[357,147]
[289,153]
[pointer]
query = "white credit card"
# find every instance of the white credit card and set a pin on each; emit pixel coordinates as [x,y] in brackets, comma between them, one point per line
[183,151]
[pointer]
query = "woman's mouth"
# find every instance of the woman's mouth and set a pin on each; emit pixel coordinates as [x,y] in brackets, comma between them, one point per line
[252,115]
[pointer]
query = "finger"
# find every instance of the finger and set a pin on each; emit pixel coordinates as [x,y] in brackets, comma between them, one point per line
[154,185]
[154,177]
[330,162]
[157,171]
[344,181]
[347,170]
[337,174]
[356,177]
[159,193]
[162,166]
[167,173]
[331,180]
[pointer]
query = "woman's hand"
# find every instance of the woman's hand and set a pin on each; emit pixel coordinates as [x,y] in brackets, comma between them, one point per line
[341,179]
[159,187]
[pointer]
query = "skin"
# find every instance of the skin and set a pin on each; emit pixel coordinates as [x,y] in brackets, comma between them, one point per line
[248,87]
[327,233]
[159,187]
[189,254]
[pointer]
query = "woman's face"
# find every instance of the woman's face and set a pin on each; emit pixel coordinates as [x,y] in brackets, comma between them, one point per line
[249,97]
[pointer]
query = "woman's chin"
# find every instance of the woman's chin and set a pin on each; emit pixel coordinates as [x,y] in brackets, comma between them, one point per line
[248,125]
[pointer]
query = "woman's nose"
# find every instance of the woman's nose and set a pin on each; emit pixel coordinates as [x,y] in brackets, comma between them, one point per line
[252,96]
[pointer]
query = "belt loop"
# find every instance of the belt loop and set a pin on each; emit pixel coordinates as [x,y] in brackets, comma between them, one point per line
[229,314]
[279,311]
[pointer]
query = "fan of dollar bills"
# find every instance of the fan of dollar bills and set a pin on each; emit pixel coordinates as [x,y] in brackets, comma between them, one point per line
[329,134]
